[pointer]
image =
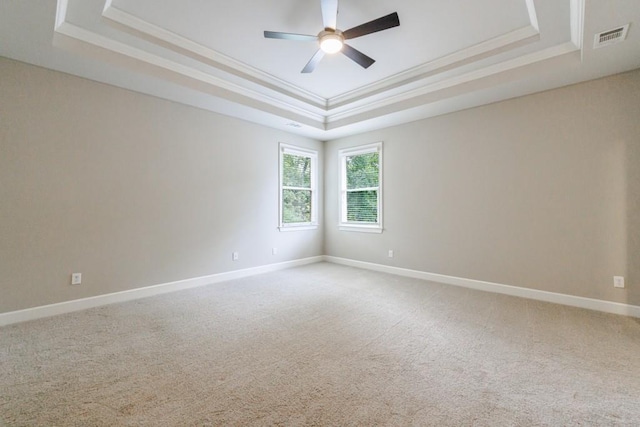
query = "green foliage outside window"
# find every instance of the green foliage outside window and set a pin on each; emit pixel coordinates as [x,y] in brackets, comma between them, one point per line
[296,192]
[296,171]
[362,206]
[363,173]
[296,206]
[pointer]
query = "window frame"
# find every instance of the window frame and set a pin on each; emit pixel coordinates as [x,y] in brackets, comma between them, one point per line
[344,224]
[302,152]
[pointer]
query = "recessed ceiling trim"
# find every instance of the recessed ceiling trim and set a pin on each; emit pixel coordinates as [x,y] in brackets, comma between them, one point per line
[213,58]
[209,56]
[476,52]
[577,22]
[522,61]
[533,15]
[216,75]
[61,12]
[98,40]
[473,53]
[344,112]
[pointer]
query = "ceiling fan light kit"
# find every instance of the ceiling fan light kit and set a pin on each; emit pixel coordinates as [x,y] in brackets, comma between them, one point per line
[331,40]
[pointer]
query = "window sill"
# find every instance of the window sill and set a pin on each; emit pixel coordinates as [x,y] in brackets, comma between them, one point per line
[361,228]
[298,227]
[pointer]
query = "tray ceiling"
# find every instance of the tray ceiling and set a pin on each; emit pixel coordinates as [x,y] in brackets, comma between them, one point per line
[444,56]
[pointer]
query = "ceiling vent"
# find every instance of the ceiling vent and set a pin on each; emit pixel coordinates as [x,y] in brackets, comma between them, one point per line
[608,37]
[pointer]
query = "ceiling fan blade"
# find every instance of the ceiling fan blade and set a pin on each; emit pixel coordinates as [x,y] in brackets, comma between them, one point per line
[329,13]
[360,58]
[313,62]
[289,36]
[384,23]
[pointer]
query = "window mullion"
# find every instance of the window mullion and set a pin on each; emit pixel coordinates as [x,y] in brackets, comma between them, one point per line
[349,190]
[286,187]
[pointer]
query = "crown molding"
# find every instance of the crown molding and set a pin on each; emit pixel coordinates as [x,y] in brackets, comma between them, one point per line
[462,57]
[235,81]
[493,46]
[476,75]
[213,58]
[89,37]
[61,12]
[577,24]
[208,56]
[533,15]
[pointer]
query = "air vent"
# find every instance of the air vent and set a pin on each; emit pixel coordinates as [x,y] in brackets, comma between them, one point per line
[608,37]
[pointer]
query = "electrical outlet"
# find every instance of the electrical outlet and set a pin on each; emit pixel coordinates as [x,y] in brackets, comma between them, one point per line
[390,253]
[618,282]
[235,256]
[76,278]
[274,251]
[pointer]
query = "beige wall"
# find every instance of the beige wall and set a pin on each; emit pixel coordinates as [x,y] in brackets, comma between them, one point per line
[541,192]
[128,189]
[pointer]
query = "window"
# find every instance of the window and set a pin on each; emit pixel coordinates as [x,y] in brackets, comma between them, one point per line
[361,188]
[298,194]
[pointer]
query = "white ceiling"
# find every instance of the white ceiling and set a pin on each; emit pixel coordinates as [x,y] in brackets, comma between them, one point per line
[445,56]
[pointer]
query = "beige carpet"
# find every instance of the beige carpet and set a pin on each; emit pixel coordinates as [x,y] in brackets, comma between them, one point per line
[323,345]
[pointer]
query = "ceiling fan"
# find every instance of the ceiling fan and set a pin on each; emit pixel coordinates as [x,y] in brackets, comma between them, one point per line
[331,39]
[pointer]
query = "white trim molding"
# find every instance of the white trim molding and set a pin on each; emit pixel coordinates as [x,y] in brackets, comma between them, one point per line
[312,155]
[179,69]
[494,46]
[534,294]
[209,56]
[577,23]
[40,312]
[213,73]
[366,227]
[133,294]
[473,78]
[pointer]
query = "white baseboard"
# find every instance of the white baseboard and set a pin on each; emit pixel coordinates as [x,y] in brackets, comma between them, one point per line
[564,299]
[84,303]
[133,294]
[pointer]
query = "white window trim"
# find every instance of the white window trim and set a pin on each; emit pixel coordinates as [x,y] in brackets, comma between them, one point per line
[345,225]
[313,155]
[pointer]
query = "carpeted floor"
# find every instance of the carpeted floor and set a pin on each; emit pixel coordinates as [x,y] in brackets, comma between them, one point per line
[323,345]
